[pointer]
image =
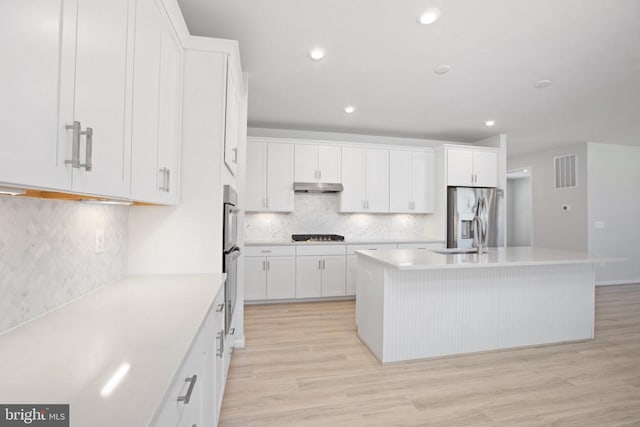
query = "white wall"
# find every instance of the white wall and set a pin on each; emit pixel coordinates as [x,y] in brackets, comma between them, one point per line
[47,253]
[553,227]
[614,200]
[519,212]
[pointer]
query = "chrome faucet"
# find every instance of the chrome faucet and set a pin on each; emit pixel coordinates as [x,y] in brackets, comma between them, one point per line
[480,226]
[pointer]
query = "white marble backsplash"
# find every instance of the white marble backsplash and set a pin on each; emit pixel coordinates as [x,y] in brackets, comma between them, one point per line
[318,213]
[47,253]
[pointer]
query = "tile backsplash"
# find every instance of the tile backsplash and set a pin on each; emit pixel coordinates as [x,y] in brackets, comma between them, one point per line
[47,253]
[318,213]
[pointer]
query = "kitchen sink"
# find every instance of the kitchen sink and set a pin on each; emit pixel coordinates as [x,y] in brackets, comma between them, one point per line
[453,251]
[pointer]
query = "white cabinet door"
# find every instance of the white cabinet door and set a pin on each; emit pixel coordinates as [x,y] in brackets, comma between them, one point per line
[329,164]
[256,186]
[459,167]
[333,275]
[306,163]
[280,177]
[485,167]
[255,284]
[219,364]
[37,41]
[352,274]
[281,278]
[145,176]
[400,185]
[232,121]
[101,70]
[308,276]
[423,182]
[377,180]
[170,114]
[352,198]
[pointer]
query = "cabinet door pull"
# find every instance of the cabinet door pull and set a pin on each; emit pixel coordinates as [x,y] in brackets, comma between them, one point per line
[220,308]
[219,338]
[264,265]
[268,265]
[88,160]
[319,264]
[235,155]
[168,186]
[320,174]
[324,266]
[75,145]
[192,383]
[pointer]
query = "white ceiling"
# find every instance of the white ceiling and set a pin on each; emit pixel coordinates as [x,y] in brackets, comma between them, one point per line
[380,60]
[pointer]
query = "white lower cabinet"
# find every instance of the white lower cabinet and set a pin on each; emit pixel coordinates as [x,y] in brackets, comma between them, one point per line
[320,271]
[270,273]
[195,395]
[184,403]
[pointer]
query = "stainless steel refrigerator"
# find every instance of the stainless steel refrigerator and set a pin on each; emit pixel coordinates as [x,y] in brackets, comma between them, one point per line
[472,212]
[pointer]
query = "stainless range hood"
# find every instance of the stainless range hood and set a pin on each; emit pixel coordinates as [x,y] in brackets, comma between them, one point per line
[316,187]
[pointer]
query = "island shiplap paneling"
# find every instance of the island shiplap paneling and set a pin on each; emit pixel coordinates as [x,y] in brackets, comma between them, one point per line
[479,309]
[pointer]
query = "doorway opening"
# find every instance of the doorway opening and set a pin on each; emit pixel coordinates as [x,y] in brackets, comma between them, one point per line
[519,207]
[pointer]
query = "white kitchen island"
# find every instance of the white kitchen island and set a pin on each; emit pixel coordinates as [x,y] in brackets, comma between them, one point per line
[414,304]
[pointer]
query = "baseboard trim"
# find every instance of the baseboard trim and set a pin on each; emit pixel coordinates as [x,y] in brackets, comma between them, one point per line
[292,300]
[238,342]
[618,282]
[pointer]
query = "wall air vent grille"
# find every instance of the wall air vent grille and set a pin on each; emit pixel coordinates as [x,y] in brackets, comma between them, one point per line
[565,171]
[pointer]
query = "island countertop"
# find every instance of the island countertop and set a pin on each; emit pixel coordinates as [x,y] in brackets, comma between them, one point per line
[66,356]
[410,259]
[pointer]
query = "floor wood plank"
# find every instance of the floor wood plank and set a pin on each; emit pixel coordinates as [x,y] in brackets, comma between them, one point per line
[303,365]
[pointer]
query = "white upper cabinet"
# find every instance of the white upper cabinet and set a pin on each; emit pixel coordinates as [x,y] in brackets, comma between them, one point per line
[37,43]
[411,181]
[472,167]
[485,167]
[269,177]
[103,43]
[156,107]
[317,163]
[66,61]
[232,120]
[352,198]
[365,177]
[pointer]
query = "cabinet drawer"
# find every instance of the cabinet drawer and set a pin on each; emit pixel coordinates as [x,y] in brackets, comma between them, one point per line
[270,250]
[327,249]
[426,245]
[364,247]
[191,375]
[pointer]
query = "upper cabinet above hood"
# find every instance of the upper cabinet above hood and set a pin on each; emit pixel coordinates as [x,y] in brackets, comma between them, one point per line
[316,187]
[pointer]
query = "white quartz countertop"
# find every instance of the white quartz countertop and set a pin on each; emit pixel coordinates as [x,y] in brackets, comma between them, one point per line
[345,242]
[69,354]
[410,259]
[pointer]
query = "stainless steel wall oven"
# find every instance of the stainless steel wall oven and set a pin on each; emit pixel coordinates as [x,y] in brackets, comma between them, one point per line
[230,251]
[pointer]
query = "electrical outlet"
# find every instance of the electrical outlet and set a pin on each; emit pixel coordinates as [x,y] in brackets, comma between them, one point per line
[599,225]
[99,240]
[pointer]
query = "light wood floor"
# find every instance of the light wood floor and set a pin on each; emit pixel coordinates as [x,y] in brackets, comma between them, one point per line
[304,365]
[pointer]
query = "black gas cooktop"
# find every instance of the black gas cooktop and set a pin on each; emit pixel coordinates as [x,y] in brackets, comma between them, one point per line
[317,238]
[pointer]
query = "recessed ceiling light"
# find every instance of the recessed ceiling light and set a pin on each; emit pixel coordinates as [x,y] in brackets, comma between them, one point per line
[442,69]
[541,84]
[429,17]
[490,123]
[317,54]
[349,109]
